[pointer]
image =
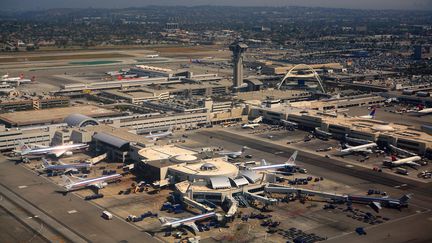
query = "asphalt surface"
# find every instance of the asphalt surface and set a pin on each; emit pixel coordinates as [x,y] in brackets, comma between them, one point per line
[75,214]
[319,161]
[409,228]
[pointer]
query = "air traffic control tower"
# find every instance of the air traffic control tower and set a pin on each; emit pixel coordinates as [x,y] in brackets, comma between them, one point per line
[238,48]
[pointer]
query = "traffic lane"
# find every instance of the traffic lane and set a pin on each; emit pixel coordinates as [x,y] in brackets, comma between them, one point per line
[86,221]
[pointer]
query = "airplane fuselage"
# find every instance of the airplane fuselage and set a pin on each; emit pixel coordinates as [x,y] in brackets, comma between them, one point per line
[89,182]
[67,147]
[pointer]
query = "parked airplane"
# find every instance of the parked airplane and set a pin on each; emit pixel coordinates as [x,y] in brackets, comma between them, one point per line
[17,80]
[370,116]
[376,203]
[64,168]
[254,123]
[234,154]
[394,162]
[365,148]
[158,136]
[168,222]
[320,134]
[152,55]
[421,111]
[265,166]
[289,124]
[97,183]
[57,151]
[390,100]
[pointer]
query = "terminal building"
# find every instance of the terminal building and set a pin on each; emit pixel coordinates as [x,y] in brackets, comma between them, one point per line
[310,115]
[197,176]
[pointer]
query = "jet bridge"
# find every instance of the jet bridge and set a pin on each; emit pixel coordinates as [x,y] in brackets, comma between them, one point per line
[307,192]
[265,200]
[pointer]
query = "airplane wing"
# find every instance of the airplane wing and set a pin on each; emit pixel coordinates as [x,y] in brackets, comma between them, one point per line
[58,153]
[69,170]
[412,163]
[193,226]
[376,206]
[98,185]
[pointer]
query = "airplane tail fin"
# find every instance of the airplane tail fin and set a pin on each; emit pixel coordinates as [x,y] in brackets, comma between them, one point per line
[263,162]
[244,148]
[163,220]
[257,120]
[66,180]
[405,198]
[23,147]
[372,113]
[45,163]
[292,159]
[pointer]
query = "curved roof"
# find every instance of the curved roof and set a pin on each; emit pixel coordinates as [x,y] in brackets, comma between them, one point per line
[208,166]
[220,182]
[79,120]
[111,140]
[240,181]
[383,128]
[251,176]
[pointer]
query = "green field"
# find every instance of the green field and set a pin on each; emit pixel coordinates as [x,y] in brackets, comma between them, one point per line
[99,62]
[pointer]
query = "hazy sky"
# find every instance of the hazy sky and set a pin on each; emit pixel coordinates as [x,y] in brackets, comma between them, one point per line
[364,4]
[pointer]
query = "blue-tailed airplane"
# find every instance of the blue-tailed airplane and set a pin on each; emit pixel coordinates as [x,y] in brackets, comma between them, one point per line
[265,166]
[171,223]
[64,168]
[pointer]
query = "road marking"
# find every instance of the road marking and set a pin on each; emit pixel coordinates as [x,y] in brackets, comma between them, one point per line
[349,166]
[279,152]
[22,187]
[72,211]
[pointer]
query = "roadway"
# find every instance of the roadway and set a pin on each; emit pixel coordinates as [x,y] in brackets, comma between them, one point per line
[71,212]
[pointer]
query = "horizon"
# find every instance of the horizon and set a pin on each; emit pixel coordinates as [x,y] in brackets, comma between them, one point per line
[42,5]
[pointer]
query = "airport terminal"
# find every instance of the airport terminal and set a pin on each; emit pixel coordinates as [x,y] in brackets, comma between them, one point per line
[168,143]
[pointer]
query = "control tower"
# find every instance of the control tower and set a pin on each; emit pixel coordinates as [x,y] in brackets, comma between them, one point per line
[238,48]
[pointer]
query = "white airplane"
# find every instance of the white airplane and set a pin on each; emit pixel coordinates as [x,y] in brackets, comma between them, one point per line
[289,124]
[152,55]
[410,161]
[64,168]
[17,80]
[57,151]
[98,183]
[390,100]
[168,222]
[371,115]
[365,148]
[254,123]
[265,166]
[234,154]
[421,112]
[158,136]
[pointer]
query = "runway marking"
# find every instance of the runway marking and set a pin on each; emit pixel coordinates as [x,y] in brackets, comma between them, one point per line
[72,211]
[22,187]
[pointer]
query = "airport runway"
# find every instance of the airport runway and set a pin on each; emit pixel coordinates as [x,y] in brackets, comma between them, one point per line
[73,213]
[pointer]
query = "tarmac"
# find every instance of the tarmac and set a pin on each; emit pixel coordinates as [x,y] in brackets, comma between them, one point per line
[72,217]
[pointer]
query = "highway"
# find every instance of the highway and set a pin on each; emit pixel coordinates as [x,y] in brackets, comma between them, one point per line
[81,218]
